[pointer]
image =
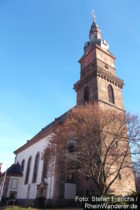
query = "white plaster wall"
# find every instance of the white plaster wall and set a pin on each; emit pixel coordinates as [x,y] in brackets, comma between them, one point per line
[10,188]
[32,151]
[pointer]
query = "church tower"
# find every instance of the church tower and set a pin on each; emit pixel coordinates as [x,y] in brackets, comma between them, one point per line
[98,80]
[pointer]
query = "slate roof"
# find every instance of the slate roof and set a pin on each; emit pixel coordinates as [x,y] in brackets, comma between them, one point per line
[39,135]
[14,170]
[57,120]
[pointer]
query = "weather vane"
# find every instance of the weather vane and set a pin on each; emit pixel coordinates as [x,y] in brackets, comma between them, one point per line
[93,15]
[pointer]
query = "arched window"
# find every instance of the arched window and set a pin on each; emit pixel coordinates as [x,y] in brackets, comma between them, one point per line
[22,165]
[36,165]
[28,170]
[111,94]
[86,94]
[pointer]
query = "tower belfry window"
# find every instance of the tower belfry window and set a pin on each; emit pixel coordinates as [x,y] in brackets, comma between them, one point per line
[86,94]
[111,94]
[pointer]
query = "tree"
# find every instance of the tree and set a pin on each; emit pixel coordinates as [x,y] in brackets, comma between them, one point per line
[95,142]
[133,124]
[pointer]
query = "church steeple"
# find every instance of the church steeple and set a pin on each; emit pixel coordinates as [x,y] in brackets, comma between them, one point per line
[95,36]
[98,81]
[95,32]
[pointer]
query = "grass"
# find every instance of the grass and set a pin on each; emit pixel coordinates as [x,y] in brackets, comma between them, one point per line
[13,208]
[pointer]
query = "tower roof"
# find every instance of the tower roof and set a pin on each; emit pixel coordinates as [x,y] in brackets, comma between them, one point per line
[95,36]
[95,32]
[93,16]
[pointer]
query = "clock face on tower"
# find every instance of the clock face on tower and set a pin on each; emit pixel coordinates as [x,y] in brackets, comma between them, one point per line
[87,60]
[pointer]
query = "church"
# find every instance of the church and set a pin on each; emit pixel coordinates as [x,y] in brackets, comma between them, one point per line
[26,179]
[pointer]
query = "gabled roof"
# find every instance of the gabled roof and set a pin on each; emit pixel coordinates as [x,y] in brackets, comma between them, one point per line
[44,132]
[13,170]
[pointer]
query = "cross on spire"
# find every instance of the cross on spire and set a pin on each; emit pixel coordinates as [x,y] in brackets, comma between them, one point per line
[93,16]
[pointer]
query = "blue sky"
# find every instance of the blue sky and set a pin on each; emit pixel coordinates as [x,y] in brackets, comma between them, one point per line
[41,42]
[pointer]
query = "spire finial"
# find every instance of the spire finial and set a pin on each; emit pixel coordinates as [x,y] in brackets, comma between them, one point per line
[93,16]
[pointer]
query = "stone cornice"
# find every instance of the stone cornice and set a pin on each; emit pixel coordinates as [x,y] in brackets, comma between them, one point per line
[109,77]
[100,73]
[110,104]
[84,80]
